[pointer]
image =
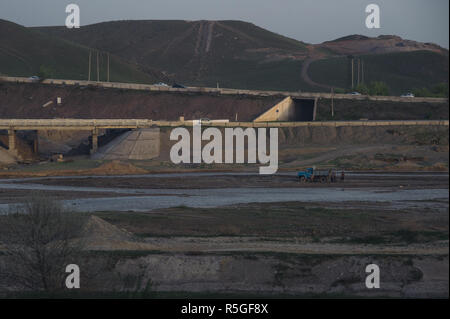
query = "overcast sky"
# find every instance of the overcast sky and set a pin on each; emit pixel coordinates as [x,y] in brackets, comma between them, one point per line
[312,21]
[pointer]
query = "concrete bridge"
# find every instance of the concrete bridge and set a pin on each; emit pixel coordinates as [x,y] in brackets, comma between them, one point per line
[94,125]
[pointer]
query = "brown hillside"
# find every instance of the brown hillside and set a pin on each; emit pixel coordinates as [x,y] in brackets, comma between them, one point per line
[237,54]
[234,53]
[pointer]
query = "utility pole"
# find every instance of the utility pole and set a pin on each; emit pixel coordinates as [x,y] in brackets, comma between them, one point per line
[362,71]
[359,67]
[89,74]
[352,75]
[98,70]
[332,102]
[108,68]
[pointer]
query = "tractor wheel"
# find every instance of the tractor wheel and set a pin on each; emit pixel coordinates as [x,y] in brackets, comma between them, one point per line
[323,179]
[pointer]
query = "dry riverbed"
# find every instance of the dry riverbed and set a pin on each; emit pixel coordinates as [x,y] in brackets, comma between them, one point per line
[289,247]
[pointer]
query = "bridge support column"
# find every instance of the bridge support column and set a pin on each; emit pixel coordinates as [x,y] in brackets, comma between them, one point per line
[94,145]
[315,109]
[12,142]
[36,142]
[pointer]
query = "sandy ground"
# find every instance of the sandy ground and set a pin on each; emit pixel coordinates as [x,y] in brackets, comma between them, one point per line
[427,180]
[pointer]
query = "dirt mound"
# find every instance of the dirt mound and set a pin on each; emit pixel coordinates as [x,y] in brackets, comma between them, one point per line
[101,235]
[117,167]
[97,228]
[5,157]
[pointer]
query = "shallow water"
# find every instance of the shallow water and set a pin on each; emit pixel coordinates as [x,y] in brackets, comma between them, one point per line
[165,198]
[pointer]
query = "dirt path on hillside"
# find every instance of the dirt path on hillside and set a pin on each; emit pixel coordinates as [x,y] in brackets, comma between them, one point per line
[305,76]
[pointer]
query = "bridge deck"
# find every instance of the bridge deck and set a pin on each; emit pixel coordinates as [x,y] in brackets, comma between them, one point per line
[91,124]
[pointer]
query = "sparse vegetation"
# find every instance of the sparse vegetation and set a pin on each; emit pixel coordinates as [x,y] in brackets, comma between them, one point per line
[40,238]
[438,90]
[45,72]
[373,88]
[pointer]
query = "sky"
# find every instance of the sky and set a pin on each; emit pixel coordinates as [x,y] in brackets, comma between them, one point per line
[312,21]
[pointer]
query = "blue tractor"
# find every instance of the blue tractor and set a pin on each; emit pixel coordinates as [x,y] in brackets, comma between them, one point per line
[314,175]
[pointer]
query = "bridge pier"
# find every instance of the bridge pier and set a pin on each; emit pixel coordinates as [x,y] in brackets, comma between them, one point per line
[315,109]
[94,144]
[12,142]
[36,142]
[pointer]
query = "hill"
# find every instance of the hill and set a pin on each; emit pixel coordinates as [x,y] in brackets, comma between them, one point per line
[232,54]
[401,71]
[236,54]
[25,52]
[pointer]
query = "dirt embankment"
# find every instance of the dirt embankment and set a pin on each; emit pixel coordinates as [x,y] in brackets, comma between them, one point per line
[354,148]
[301,275]
[402,148]
[346,110]
[27,100]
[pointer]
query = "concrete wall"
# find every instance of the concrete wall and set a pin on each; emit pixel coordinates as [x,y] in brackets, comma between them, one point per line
[282,111]
[140,144]
[290,110]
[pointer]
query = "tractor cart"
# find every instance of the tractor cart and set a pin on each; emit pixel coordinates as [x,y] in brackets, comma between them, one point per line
[317,175]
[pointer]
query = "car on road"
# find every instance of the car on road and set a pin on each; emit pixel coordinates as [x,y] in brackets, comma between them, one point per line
[178,86]
[205,120]
[354,93]
[409,94]
[161,84]
[34,78]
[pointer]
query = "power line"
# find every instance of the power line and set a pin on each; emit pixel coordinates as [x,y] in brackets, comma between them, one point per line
[89,73]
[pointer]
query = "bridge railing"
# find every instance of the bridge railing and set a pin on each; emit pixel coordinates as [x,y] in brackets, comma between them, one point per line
[88,124]
[73,123]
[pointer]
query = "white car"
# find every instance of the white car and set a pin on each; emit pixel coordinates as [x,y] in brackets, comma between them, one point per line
[34,78]
[407,95]
[354,93]
[161,84]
